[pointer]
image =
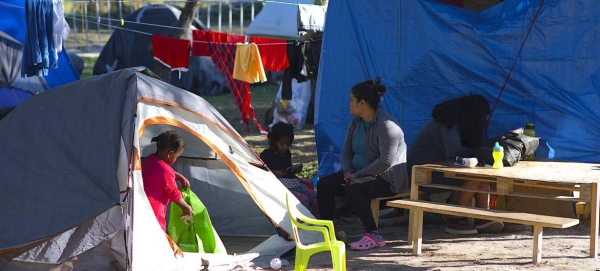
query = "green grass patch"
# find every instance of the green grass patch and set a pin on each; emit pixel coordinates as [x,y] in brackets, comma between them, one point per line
[88,66]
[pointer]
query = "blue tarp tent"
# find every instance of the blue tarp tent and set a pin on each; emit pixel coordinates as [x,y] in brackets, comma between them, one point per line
[427,52]
[12,24]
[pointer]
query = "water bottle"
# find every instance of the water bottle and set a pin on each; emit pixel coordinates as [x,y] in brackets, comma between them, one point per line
[498,154]
[529,131]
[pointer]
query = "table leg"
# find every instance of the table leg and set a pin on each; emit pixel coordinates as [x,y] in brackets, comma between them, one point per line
[418,228]
[414,194]
[594,222]
[538,232]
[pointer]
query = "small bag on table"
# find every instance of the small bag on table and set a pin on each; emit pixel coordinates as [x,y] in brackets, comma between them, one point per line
[516,146]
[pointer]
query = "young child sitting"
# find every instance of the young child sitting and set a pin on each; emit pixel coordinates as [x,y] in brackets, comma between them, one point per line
[279,160]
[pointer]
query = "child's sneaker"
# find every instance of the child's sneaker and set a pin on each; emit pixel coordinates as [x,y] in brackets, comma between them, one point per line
[489,226]
[459,226]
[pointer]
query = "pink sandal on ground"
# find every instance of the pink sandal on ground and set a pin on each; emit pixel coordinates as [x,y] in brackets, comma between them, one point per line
[368,241]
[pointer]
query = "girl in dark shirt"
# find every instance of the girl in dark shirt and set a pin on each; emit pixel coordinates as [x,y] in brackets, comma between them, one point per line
[279,160]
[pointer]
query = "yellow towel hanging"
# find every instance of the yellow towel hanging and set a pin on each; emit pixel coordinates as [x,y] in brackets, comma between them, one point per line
[248,65]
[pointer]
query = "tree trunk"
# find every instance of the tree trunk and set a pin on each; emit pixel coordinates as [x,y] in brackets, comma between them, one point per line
[185,21]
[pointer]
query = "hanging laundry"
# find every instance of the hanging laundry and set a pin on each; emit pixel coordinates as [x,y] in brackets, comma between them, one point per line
[312,55]
[273,53]
[248,65]
[221,48]
[39,51]
[171,52]
[223,57]
[202,39]
[304,63]
[60,27]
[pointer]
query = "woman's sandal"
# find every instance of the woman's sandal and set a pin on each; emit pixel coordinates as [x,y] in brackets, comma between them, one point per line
[368,241]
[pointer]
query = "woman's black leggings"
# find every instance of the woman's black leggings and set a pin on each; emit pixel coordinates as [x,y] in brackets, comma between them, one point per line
[359,195]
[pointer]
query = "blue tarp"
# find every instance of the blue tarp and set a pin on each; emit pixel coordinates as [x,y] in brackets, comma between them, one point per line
[427,52]
[12,22]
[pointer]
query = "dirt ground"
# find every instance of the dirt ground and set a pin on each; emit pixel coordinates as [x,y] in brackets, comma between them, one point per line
[566,249]
[512,249]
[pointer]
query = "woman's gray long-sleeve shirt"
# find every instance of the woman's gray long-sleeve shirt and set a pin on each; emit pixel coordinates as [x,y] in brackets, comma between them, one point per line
[434,142]
[386,151]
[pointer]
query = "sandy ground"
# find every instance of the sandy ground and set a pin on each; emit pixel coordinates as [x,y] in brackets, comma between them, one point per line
[565,249]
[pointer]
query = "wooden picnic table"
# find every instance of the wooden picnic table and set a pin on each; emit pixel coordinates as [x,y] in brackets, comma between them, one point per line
[580,178]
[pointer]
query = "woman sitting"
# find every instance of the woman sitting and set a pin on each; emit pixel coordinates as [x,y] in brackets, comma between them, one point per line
[374,148]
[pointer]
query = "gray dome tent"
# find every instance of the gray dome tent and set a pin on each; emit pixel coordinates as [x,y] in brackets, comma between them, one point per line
[131,49]
[76,165]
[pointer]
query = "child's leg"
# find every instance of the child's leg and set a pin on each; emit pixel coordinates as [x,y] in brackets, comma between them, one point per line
[306,182]
[311,195]
[482,200]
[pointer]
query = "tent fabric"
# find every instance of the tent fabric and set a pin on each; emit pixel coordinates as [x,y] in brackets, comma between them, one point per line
[48,170]
[131,49]
[76,163]
[426,52]
[11,55]
[281,19]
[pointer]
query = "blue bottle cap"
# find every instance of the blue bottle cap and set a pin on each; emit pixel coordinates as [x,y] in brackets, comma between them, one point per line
[497,147]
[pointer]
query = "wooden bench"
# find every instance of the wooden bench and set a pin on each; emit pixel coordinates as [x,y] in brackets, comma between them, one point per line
[417,207]
[376,201]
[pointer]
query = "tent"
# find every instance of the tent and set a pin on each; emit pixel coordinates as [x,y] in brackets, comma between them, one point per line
[427,52]
[13,88]
[278,20]
[76,166]
[131,46]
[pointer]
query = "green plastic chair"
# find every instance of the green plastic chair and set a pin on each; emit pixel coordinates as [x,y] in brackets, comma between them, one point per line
[304,252]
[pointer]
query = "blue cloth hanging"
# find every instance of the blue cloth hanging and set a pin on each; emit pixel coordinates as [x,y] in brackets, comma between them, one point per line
[39,53]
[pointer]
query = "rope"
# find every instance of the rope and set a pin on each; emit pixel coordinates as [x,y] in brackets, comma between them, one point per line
[194,41]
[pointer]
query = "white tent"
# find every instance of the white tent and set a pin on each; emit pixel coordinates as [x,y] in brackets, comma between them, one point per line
[282,19]
[71,192]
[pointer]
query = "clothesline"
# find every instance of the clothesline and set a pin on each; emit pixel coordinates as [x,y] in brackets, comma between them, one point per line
[131,22]
[194,41]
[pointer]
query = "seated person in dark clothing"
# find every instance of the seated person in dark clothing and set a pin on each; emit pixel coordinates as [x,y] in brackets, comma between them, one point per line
[279,160]
[458,126]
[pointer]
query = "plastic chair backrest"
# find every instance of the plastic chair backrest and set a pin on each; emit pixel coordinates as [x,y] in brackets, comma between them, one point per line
[303,252]
[300,221]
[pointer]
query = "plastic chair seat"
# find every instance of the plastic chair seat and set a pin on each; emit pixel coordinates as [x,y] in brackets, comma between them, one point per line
[323,245]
